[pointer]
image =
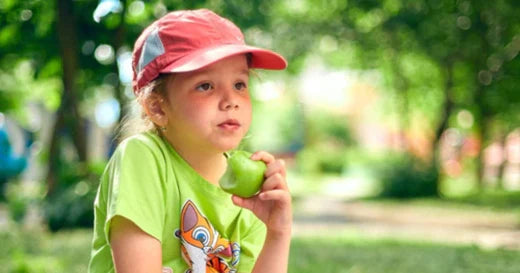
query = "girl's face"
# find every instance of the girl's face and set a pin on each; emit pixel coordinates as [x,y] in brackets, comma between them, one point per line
[209,110]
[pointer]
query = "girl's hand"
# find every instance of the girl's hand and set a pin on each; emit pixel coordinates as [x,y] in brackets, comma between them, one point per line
[273,204]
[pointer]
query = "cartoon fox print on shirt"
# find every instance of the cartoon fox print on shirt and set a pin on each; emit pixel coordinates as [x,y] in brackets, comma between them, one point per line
[203,249]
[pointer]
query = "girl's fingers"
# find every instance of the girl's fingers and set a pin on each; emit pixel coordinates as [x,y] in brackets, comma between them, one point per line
[276,195]
[266,157]
[247,203]
[273,165]
[275,181]
[277,166]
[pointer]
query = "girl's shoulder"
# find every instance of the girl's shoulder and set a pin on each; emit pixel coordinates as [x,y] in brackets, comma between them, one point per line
[145,151]
[142,147]
[146,142]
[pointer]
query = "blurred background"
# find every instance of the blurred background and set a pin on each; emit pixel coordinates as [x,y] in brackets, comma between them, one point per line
[399,121]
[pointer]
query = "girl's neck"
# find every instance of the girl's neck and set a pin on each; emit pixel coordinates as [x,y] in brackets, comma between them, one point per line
[211,165]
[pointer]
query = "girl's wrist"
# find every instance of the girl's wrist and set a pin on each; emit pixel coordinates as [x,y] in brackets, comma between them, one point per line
[279,233]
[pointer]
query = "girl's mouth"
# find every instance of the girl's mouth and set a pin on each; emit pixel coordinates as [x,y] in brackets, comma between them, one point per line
[230,124]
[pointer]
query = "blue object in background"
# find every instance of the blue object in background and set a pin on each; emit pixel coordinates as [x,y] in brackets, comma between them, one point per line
[105,7]
[11,165]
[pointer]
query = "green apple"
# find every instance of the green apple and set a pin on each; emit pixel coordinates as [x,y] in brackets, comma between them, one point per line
[243,176]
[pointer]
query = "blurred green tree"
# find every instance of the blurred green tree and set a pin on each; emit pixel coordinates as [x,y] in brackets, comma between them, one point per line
[475,37]
[436,56]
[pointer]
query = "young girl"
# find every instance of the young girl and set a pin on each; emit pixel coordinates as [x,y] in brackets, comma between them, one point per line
[159,207]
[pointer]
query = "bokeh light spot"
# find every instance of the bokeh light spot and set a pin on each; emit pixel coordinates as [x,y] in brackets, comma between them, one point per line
[104,54]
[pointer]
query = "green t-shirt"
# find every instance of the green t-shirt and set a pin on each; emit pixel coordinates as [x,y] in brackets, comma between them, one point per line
[149,183]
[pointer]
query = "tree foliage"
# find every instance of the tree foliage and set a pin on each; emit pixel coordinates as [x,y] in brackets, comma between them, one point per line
[436,56]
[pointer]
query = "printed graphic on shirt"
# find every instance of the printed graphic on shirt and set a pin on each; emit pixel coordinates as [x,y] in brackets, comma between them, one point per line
[167,270]
[203,249]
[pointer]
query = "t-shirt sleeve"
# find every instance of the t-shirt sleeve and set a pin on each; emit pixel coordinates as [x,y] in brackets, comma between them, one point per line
[136,187]
[251,245]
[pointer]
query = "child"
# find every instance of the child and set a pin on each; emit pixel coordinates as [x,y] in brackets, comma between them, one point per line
[159,206]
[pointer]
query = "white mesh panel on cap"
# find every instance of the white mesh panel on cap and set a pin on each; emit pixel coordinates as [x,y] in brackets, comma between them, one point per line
[152,48]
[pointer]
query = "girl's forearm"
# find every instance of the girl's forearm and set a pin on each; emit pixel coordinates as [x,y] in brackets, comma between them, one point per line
[274,257]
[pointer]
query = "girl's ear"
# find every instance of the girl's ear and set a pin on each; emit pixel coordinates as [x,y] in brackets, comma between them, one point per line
[154,108]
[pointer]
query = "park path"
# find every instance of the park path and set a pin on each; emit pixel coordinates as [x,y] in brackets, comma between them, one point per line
[317,215]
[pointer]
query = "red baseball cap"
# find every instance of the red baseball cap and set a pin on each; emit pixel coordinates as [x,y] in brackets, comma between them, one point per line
[188,40]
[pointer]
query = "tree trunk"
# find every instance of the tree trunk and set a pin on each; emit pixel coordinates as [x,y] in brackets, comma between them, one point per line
[68,49]
[480,157]
[484,115]
[483,121]
[445,116]
[119,39]
[448,106]
[54,151]
[501,169]
[67,114]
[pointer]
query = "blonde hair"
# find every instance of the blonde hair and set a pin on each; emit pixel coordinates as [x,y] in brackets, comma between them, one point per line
[136,120]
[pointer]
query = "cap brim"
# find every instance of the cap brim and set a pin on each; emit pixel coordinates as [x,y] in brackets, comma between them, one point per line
[261,58]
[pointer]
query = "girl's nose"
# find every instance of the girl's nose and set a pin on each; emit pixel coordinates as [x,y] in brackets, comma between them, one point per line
[228,104]
[229,100]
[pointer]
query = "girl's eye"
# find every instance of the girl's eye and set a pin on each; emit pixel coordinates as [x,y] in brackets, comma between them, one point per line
[240,86]
[204,87]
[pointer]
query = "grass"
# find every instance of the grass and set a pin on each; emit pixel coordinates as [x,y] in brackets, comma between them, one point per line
[363,255]
[27,251]
[497,201]
[68,251]
[40,251]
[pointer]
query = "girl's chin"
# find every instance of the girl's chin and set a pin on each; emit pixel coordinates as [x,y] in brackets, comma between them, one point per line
[227,146]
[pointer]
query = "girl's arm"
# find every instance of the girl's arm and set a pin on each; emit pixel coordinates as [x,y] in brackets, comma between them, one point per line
[134,250]
[273,206]
[274,256]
